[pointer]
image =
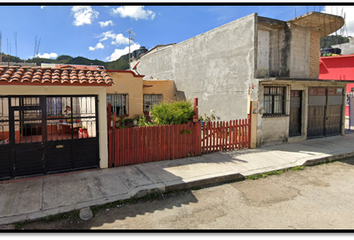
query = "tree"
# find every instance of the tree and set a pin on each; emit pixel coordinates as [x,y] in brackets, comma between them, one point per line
[330,40]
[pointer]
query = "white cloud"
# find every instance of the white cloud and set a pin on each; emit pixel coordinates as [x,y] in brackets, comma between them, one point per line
[117,39]
[120,39]
[42,7]
[106,23]
[47,55]
[83,15]
[347,12]
[98,46]
[106,35]
[120,52]
[135,12]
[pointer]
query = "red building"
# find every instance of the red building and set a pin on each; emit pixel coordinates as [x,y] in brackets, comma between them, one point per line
[339,67]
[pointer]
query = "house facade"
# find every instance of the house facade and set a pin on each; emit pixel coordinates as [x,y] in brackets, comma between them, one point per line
[272,62]
[131,96]
[52,120]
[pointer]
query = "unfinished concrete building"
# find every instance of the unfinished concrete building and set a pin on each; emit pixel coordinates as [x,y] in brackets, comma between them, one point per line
[272,62]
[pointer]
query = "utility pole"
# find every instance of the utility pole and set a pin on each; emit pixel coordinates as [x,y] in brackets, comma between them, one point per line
[131,35]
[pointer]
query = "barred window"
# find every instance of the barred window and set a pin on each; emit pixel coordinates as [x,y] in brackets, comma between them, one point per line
[274,101]
[119,103]
[150,100]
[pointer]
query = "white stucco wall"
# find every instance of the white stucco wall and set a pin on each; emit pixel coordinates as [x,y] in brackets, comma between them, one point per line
[217,67]
[71,90]
[263,53]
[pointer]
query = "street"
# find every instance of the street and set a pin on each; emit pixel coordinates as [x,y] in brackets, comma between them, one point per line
[317,197]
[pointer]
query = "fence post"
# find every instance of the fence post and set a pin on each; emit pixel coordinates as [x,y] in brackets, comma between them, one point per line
[253,124]
[109,114]
[195,117]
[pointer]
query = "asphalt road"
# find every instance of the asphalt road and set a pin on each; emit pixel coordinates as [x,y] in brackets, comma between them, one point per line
[317,197]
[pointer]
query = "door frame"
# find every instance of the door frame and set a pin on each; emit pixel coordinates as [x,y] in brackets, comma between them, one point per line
[301,110]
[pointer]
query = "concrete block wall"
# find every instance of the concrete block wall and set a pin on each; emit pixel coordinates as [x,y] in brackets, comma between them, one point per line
[314,53]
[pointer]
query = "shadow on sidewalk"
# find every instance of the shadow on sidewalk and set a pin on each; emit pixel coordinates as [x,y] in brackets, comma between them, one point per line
[109,217]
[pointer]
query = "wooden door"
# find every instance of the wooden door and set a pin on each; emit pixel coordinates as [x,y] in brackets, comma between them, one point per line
[295,113]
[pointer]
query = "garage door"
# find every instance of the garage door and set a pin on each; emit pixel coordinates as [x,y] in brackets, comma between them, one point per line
[325,112]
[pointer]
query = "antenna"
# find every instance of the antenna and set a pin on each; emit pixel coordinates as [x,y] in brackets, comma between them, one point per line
[35,45]
[0,46]
[130,32]
[15,33]
[39,43]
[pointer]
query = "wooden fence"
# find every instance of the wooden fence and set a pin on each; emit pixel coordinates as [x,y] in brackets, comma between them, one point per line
[225,136]
[157,143]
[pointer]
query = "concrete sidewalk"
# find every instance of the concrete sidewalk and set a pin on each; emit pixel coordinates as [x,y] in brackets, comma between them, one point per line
[33,198]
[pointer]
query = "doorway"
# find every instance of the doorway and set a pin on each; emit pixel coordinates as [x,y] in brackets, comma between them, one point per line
[295,113]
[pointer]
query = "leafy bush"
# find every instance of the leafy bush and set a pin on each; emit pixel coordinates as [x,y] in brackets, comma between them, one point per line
[172,113]
[142,122]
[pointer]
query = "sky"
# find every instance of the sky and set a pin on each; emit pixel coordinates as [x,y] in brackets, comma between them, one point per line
[101,32]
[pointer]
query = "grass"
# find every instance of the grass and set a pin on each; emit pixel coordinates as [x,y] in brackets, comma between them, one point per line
[277,172]
[18,225]
[61,216]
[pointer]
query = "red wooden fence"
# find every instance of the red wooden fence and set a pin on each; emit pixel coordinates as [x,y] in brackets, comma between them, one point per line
[225,136]
[157,143]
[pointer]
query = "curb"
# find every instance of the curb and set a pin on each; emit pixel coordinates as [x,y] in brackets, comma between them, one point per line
[327,159]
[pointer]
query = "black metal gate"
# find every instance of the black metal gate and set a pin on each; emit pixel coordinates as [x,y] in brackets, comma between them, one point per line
[325,112]
[47,134]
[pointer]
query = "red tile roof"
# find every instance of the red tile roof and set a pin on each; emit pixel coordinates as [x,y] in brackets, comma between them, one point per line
[83,67]
[61,76]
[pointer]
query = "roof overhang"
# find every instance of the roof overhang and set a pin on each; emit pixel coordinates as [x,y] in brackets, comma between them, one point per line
[324,23]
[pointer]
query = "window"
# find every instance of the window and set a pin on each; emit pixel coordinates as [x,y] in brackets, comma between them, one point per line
[274,101]
[119,103]
[150,100]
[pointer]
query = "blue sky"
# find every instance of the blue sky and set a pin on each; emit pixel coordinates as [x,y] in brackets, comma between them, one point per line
[100,32]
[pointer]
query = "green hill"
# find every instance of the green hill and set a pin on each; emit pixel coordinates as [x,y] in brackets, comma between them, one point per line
[119,64]
[330,40]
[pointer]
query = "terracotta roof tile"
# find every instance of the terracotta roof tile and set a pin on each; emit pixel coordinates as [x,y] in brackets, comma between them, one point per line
[66,75]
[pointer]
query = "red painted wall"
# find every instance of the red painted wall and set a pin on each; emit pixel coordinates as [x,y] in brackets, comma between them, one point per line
[339,67]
